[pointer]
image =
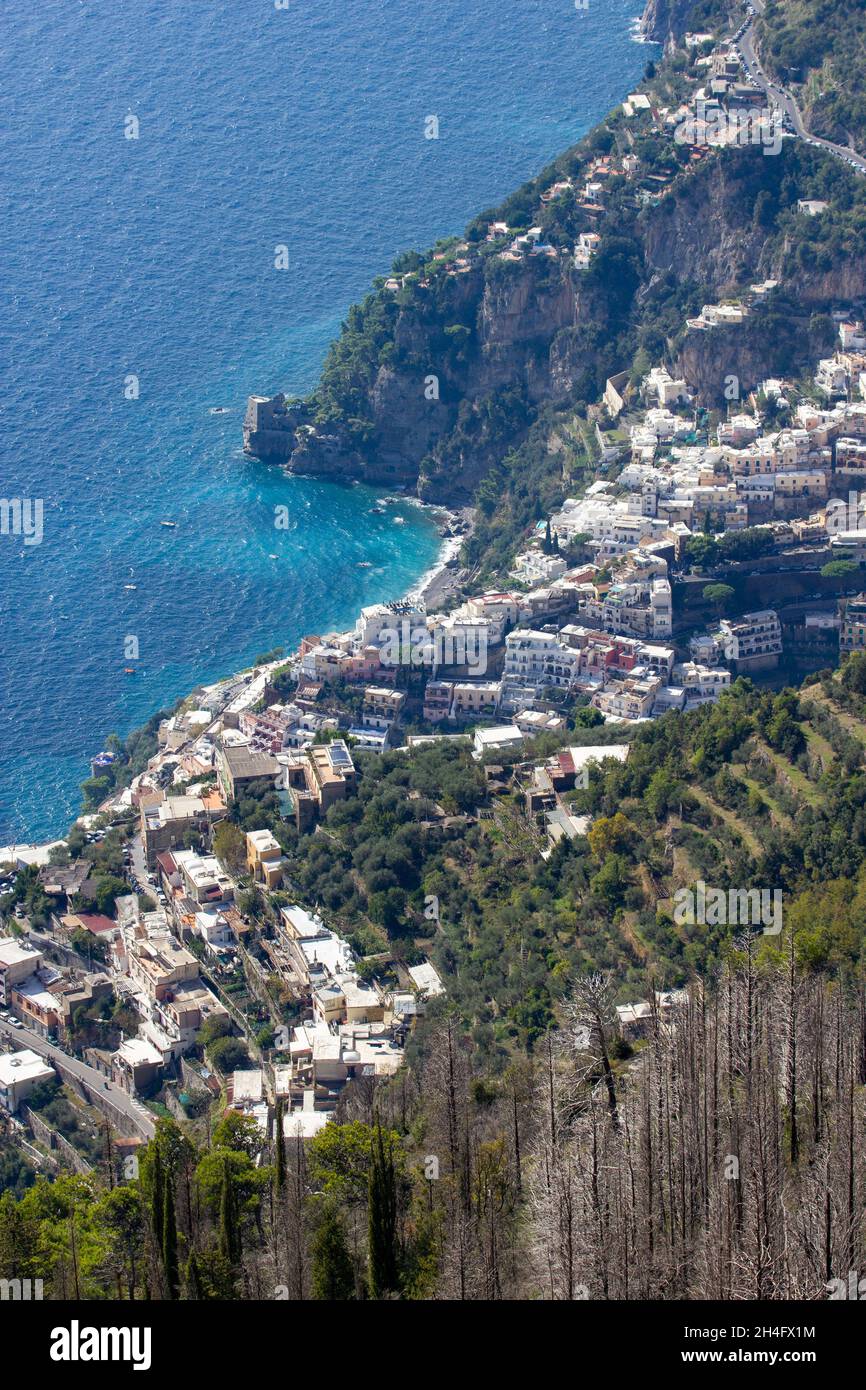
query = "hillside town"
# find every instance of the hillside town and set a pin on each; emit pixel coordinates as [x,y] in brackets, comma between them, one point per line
[172,949]
[779,471]
[729,104]
[569,644]
[501,938]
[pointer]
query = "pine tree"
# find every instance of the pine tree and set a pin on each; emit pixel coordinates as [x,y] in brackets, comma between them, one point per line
[546,547]
[382,1213]
[18,1241]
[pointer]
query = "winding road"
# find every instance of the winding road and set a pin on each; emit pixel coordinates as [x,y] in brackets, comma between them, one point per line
[780,97]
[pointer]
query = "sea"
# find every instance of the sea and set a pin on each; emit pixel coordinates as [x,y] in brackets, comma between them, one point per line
[193,193]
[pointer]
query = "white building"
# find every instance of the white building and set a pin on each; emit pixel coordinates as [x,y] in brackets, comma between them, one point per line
[18,959]
[706,648]
[426,979]
[831,377]
[631,699]
[739,430]
[637,101]
[585,248]
[501,739]
[534,567]
[852,337]
[701,683]
[214,931]
[315,952]
[203,878]
[20,1073]
[664,388]
[754,641]
[634,609]
[537,660]
[379,620]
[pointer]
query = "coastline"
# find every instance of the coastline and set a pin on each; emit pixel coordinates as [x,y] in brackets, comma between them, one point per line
[438,583]
[433,588]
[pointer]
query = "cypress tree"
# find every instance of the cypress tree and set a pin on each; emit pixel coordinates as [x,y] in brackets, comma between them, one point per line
[156,1197]
[169,1241]
[280,1148]
[193,1279]
[333,1276]
[229,1233]
[382,1214]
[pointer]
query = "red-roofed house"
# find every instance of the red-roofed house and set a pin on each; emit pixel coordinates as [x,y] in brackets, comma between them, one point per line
[93,922]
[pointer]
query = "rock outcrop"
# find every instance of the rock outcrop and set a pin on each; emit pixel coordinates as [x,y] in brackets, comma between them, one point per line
[665,20]
[429,407]
[702,236]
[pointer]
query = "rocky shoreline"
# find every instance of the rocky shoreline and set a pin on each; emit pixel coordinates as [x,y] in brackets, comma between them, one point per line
[439,585]
[664,20]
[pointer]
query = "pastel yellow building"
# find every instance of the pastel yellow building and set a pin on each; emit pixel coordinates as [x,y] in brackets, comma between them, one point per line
[264,858]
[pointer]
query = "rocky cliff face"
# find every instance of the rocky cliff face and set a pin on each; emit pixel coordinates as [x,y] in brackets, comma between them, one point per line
[433,422]
[663,20]
[470,359]
[702,238]
[844,283]
[707,236]
[733,359]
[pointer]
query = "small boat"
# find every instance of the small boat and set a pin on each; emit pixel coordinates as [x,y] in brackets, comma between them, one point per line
[365,564]
[130,586]
[129,670]
[168,523]
[219,410]
[377,511]
[272,557]
[399,521]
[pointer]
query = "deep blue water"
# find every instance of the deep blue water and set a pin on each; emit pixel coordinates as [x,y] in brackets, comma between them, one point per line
[154,257]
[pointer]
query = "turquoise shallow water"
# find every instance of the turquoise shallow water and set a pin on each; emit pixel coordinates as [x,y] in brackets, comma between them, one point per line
[154,257]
